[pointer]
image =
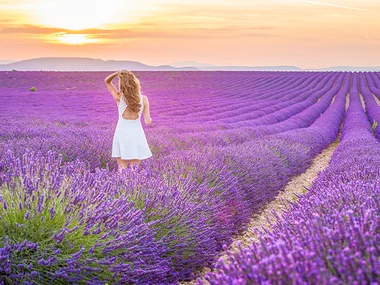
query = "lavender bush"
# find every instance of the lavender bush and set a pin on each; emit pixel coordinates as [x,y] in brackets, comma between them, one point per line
[331,234]
[224,144]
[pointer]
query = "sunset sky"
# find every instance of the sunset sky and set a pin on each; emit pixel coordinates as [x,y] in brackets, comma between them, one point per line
[308,34]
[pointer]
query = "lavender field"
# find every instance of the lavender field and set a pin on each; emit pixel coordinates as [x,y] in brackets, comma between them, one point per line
[224,145]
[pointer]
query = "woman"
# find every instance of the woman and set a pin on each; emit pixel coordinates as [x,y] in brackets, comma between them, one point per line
[129,141]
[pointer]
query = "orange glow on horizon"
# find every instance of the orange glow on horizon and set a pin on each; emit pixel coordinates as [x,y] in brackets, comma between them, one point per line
[78,39]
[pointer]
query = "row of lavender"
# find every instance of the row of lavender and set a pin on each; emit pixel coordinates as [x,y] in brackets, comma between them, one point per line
[34,118]
[85,224]
[331,235]
[203,172]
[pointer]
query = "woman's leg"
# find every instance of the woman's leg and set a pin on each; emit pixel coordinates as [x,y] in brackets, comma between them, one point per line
[122,163]
[134,162]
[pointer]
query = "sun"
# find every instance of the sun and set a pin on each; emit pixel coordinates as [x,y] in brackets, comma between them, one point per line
[75,39]
[81,20]
[73,14]
[86,14]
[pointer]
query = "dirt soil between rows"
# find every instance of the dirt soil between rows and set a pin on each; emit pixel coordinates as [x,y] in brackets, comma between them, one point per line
[297,186]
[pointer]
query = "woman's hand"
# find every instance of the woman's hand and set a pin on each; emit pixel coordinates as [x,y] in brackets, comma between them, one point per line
[120,72]
[148,122]
[110,77]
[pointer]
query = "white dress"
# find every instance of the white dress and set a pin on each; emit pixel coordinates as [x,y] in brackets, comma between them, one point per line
[129,141]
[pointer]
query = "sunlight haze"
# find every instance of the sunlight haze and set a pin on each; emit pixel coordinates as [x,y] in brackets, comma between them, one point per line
[307,34]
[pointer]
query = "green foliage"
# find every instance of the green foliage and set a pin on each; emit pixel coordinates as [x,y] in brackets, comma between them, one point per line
[374,125]
[37,219]
[33,89]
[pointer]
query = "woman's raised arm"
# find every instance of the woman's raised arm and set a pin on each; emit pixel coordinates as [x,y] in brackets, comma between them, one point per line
[111,88]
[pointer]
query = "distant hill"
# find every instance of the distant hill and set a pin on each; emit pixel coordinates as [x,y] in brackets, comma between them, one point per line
[209,67]
[7,61]
[351,68]
[253,68]
[191,63]
[84,64]
[91,64]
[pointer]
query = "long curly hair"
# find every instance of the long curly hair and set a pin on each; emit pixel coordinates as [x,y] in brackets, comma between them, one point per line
[130,90]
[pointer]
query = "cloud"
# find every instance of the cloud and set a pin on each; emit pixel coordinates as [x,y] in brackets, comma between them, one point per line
[260,35]
[233,31]
[189,32]
[29,29]
[334,5]
[117,34]
[366,34]
[231,28]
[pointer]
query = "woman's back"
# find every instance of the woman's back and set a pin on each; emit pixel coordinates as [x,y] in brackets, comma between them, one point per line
[126,114]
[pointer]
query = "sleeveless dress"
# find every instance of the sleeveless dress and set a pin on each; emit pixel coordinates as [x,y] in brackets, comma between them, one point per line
[129,141]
